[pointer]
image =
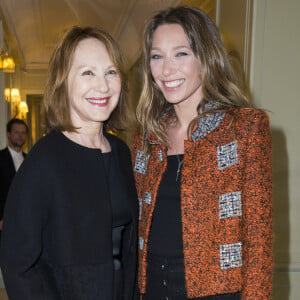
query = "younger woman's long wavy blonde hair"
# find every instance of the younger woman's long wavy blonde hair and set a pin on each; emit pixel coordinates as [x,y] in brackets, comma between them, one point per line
[219,83]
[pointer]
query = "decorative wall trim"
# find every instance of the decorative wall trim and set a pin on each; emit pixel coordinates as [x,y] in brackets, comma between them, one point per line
[235,20]
[248,40]
[257,46]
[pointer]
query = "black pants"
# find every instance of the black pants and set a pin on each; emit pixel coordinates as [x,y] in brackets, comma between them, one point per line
[165,281]
[118,281]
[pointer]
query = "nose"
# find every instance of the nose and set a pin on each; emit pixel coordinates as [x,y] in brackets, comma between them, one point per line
[169,67]
[102,84]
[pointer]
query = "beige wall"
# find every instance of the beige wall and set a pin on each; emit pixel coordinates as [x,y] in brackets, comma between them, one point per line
[234,18]
[3,114]
[3,104]
[269,52]
[275,86]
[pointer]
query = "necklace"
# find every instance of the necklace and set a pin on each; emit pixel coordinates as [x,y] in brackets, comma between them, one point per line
[180,162]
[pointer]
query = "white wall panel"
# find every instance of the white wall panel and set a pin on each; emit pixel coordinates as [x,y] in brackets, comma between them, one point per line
[275,85]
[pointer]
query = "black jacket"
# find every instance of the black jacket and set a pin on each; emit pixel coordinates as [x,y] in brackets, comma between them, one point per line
[57,231]
[7,173]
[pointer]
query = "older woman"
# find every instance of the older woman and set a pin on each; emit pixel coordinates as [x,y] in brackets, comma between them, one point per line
[70,221]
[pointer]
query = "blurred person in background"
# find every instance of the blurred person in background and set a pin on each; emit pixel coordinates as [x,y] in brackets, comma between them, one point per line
[11,158]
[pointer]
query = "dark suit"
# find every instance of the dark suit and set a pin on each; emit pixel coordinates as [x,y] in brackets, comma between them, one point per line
[7,173]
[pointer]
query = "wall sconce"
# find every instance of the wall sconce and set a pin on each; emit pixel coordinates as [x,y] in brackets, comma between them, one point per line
[23,107]
[12,95]
[23,110]
[7,63]
[18,108]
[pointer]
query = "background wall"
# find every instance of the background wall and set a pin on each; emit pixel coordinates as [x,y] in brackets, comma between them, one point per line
[263,38]
[275,86]
[3,105]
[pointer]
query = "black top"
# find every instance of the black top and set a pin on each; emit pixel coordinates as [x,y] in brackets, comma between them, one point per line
[120,208]
[57,232]
[166,231]
[121,214]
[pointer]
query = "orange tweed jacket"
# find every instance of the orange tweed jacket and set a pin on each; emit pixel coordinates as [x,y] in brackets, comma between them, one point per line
[226,204]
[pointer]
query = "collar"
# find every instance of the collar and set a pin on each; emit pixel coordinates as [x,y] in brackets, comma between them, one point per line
[207,123]
[14,153]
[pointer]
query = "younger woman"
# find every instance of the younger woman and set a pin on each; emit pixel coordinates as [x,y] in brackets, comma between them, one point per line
[202,164]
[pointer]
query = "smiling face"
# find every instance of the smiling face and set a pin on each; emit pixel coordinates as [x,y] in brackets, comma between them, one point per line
[174,67]
[94,84]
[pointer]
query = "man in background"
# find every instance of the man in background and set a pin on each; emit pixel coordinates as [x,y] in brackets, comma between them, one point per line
[11,158]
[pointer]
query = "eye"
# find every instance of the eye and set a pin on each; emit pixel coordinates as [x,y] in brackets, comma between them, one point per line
[179,54]
[156,56]
[87,72]
[112,72]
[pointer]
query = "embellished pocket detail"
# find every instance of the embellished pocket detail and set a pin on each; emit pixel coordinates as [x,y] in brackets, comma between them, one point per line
[230,205]
[227,155]
[141,162]
[231,256]
[141,243]
[148,198]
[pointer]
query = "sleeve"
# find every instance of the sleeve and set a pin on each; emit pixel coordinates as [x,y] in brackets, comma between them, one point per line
[22,235]
[257,217]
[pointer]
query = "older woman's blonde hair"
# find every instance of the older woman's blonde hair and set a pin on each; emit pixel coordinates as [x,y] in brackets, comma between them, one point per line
[55,106]
[219,83]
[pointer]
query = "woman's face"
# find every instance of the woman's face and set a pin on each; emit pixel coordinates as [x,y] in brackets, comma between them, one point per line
[94,84]
[174,67]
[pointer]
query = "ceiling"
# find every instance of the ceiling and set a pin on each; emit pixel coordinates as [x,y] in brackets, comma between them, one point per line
[32,27]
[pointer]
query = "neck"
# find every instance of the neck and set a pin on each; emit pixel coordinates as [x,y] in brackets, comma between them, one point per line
[185,114]
[177,132]
[186,110]
[184,118]
[90,137]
